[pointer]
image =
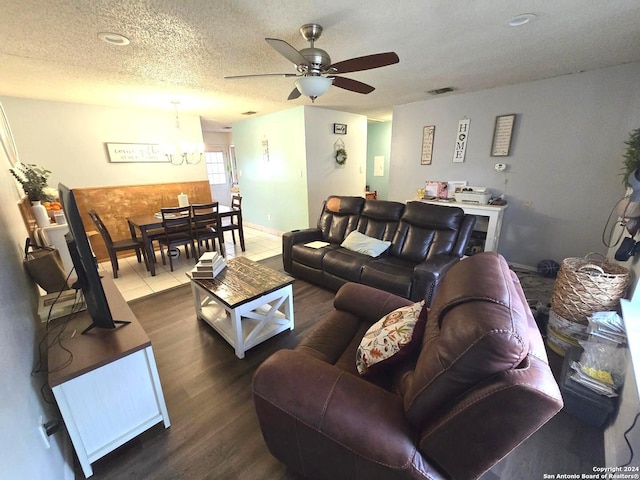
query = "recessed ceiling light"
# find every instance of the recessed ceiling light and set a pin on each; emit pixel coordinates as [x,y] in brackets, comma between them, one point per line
[114,38]
[523,19]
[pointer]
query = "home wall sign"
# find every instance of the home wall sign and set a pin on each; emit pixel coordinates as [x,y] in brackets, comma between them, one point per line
[136,152]
[339,129]
[428,133]
[502,134]
[462,135]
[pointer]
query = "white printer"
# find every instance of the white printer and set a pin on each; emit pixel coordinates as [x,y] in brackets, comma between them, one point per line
[477,195]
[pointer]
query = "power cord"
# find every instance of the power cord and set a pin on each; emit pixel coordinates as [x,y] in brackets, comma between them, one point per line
[626,439]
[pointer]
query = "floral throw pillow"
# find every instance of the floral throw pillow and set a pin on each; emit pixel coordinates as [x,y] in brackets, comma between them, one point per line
[391,339]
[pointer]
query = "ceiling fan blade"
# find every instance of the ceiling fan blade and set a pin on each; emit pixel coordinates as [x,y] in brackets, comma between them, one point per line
[264,75]
[367,62]
[295,93]
[287,51]
[352,85]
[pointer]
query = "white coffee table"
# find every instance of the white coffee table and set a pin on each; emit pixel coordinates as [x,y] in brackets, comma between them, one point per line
[247,303]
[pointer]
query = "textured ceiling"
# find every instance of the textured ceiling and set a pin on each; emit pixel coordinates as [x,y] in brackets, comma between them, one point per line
[181,50]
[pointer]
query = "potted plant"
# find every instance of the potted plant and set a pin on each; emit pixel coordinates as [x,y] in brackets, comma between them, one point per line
[631,164]
[34,182]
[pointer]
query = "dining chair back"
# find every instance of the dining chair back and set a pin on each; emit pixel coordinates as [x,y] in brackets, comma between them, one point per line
[178,230]
[232,220]
[206,225]
[113,247]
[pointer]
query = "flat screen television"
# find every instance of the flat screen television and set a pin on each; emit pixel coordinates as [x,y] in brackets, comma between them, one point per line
[85,265]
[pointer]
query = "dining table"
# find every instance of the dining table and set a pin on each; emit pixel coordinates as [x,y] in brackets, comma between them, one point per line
[145,224]
[149,223]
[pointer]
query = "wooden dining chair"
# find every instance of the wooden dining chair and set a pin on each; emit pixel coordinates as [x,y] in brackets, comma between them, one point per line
[178,230]
[206,225]
[113,247]
[232,220]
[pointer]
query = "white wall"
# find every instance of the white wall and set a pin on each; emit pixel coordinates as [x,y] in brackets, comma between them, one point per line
[565,162]
[22,451]
[69,139]
[324,176]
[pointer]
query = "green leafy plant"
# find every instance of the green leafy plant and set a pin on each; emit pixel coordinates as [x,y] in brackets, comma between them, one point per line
[33,180]
[631,156]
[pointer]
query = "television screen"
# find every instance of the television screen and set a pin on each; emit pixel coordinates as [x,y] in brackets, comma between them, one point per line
[85,264]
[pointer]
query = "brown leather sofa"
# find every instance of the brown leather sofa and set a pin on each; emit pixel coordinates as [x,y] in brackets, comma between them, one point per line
[426,240]
[477,385]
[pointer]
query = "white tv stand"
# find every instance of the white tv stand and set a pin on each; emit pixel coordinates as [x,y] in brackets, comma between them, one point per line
[110,392]
[493,212]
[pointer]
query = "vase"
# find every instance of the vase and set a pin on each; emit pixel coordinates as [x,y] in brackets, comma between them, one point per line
[40,214]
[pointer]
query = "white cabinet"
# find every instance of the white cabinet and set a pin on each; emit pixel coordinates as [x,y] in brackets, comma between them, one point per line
[492,213]
[110,391]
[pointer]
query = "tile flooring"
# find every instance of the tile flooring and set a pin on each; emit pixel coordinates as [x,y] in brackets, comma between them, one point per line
[134,281]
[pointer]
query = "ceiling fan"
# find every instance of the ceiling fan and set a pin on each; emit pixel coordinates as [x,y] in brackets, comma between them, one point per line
[316,73]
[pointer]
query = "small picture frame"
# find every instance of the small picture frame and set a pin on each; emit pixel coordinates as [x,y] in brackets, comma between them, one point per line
[339,129]
[503,131]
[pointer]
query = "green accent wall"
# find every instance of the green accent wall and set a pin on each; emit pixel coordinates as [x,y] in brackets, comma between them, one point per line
[379,144]
[274,191]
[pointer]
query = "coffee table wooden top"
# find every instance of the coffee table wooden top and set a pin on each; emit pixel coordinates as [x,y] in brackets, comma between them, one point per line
[242,281]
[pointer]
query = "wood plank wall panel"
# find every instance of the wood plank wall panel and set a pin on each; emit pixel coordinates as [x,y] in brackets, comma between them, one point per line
[116,203]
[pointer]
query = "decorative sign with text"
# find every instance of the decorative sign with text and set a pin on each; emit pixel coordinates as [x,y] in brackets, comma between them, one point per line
[461,140]
[502,135]
[135,152]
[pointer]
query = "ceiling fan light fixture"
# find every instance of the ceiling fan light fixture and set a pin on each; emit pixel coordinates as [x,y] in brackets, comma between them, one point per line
[313,86]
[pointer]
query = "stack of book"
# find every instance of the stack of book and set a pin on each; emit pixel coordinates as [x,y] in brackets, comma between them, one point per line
[209,265]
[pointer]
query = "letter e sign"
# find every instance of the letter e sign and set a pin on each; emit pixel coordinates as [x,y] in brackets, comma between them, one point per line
[462,136]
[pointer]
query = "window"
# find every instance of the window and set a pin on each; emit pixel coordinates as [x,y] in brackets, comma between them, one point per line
[216,168]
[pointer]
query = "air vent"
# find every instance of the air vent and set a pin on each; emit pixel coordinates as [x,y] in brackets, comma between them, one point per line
[250,112]
[440,91]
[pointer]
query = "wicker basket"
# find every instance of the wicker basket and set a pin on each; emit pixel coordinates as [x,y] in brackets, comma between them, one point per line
[585,286]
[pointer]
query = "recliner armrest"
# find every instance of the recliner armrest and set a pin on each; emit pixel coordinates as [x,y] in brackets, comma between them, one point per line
[427,276]
[305,405]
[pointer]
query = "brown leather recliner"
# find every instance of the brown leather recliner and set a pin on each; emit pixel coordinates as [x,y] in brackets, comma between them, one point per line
[477,385]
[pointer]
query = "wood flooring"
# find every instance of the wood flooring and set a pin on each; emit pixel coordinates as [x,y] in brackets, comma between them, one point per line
[214,431]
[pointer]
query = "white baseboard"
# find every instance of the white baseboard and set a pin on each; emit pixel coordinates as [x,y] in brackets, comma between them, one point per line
[262,228]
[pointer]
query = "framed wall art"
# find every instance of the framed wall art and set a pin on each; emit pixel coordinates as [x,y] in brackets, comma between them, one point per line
[502,134]
[428,133]
[339,129]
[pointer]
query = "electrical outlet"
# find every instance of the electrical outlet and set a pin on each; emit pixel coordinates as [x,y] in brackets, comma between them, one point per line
[269,216]
[43,432]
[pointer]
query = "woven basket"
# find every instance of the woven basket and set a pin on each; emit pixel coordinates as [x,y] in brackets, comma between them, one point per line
[585,286]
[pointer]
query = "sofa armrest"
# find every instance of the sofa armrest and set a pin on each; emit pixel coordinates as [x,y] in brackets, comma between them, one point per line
[305,405]
[289,239]
[428,274]
[367,302]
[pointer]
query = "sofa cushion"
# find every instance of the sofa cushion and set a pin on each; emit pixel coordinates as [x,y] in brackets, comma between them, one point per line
[339,217]
[426,230]
[345,264]
[379,218]
[390,274]
[391,340]
[312,257]
[358,242]
[475,329]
